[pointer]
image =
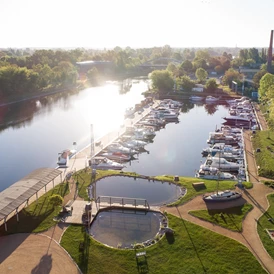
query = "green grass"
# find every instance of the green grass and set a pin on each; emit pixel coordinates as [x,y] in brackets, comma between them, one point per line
[264,140]
[38,216]
[187,182]
[230,218]
[263,224]
[192,249]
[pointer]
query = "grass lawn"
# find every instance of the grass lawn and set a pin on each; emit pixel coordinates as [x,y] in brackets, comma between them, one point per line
[263,224]
[192,249]
[230,218]
[264,140]
[38,216]
[84,179]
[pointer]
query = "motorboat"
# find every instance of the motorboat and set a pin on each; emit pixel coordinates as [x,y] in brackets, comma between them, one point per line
[222,196]
[64,156]
[237,100]
[211,99]
[116,156]
[237,119]
[196,98]
[104,163]
[129,112]
[135,144]
[117,147]
[221,137]
[221,147]
[212,173]
[221,163]
[229,156]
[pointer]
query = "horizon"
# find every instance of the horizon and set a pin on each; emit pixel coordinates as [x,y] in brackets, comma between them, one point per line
[107,24]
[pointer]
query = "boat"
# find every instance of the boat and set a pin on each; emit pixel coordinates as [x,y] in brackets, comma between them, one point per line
[212,173]
[221,163]
[104,163]
[211,99]
[237,100]
[117,147]
[64,156]
[221,147]
[222,196]
[221,137]
[196,98]
[237,119]
[116,156]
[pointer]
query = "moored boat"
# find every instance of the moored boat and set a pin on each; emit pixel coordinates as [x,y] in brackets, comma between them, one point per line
[211,173]
[104,163]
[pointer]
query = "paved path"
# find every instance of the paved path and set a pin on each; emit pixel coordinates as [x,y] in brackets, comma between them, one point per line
[36,254]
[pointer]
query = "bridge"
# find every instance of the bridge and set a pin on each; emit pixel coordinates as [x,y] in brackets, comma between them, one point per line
[161,62]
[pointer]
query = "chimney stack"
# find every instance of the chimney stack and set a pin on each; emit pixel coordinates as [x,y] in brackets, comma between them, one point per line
[269,55]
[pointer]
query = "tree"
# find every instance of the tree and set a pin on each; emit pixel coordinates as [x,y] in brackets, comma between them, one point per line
[162,80]
[93,75]
[186,83]
[231,75]
[199,63]
[56,200]
[187,66]
[266,82]
[201,74]
[257,77]
[211,85]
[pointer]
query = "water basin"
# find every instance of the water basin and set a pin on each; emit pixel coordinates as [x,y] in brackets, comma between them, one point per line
[156,193]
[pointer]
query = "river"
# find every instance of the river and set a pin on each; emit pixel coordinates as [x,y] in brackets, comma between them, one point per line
[34,132]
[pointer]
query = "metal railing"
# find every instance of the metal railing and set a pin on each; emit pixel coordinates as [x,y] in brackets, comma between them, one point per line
[122,202]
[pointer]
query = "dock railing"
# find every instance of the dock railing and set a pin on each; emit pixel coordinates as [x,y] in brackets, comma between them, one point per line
[109,201]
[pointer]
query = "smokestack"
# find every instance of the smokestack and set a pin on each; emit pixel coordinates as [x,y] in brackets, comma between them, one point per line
[269,55]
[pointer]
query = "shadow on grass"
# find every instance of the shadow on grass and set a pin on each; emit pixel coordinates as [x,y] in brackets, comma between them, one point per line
[179,213]
[27,223]
[84,251]
[170,238]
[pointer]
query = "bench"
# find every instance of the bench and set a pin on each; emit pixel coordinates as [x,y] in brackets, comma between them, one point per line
[139,254]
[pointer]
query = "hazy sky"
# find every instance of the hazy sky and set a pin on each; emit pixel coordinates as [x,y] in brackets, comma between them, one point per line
[142,23]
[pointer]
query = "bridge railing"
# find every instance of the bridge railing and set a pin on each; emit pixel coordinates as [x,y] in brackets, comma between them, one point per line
[122,202]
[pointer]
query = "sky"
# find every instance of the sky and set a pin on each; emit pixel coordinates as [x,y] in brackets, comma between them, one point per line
[135,23]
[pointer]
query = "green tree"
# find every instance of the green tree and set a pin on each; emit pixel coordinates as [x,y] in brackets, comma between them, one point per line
[199,63]
[211,85]
[56,200]
[186,83]
[231,75]
[201,74]
[162,80]
[187,66]
[93,76]
[266,84]
[257,77]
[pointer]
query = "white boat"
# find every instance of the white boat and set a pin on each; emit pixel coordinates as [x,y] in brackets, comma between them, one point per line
[222,196]
[116,147]
[64,156]
[211,99]
[221,137]
[237,100]
[196,98]
[221,147]
[212,173]
[220,163]
[135,144]
[116,156]
[104,163]
[129,112]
